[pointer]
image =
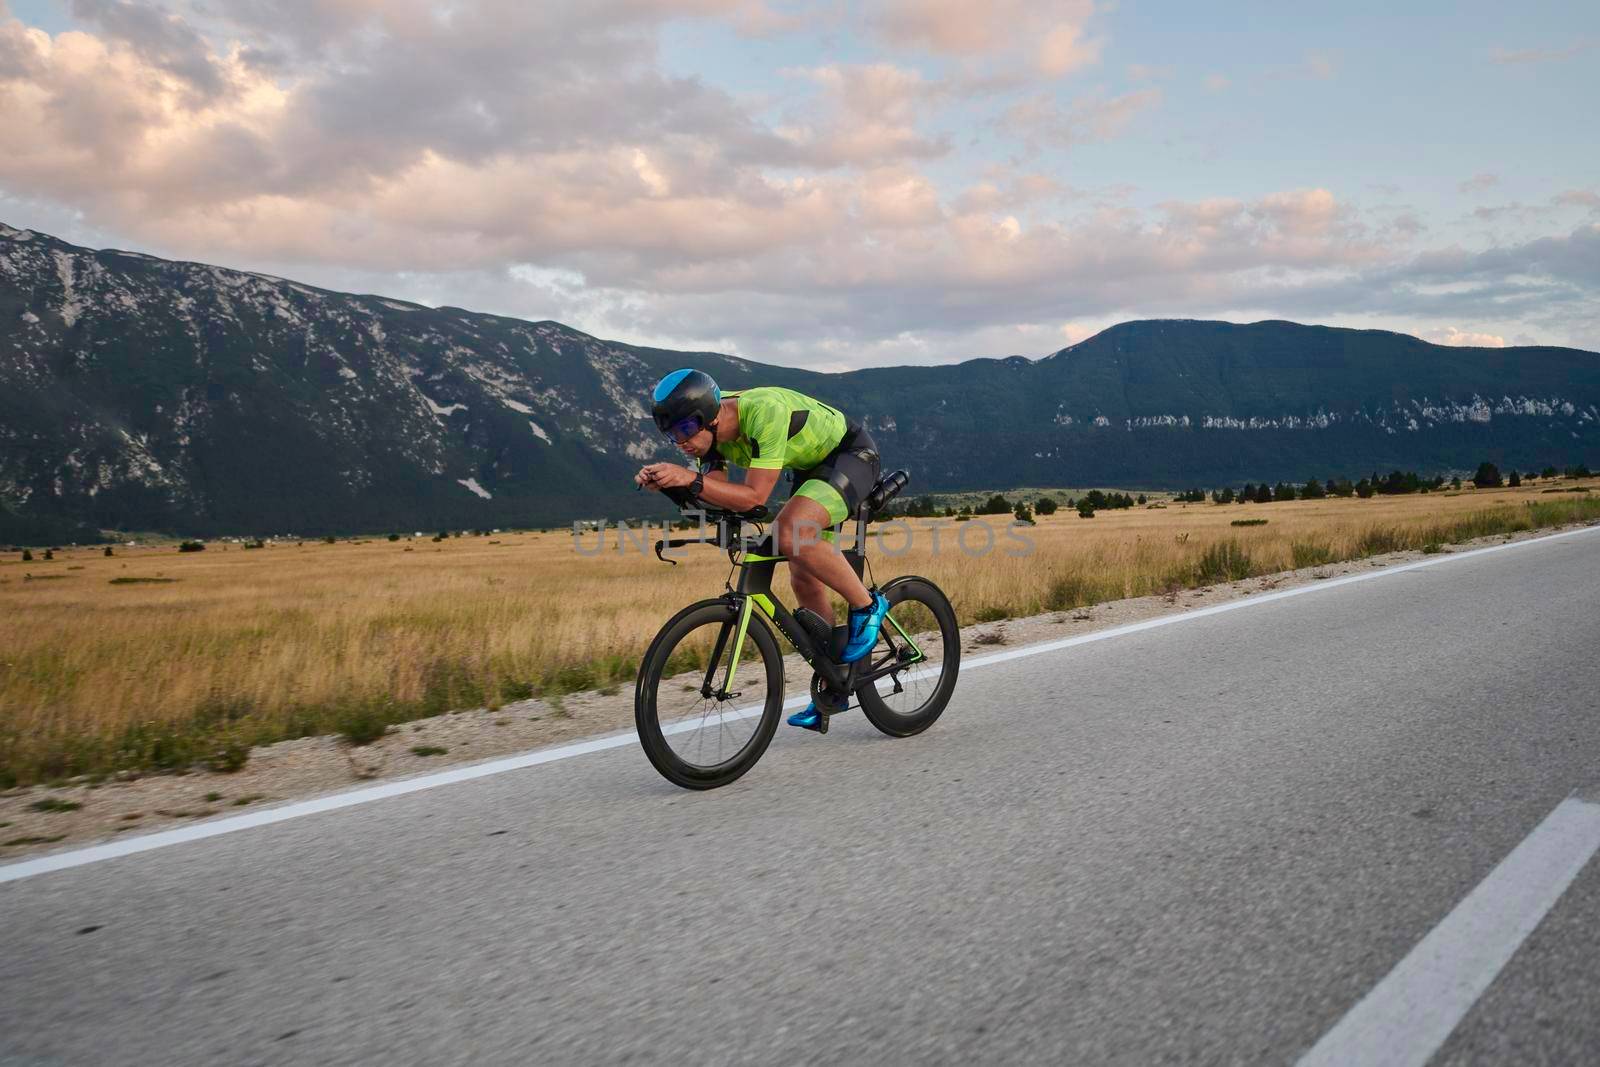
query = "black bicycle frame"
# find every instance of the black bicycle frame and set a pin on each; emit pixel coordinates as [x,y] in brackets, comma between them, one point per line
[755,588]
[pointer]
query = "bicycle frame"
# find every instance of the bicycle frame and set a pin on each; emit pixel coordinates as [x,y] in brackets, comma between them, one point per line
[754,593]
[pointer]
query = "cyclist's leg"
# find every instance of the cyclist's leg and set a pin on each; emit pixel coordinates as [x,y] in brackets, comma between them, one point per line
[799,531]
[828,495]
[810,592]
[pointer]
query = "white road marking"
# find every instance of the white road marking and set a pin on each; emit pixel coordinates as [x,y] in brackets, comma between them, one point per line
[1409,1014]
[267,816]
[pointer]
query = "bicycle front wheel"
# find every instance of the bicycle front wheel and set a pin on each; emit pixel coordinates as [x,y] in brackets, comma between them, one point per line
[702,720]
[920,631]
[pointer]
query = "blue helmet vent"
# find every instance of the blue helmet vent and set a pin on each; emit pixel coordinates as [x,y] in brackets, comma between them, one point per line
[666,385]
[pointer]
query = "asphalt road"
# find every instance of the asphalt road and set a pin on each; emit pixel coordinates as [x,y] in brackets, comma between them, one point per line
[1202,843]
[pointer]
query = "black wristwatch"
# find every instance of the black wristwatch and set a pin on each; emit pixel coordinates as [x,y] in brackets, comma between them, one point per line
[698,484]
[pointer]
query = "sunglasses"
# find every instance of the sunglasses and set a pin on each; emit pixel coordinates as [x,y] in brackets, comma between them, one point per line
[684,429]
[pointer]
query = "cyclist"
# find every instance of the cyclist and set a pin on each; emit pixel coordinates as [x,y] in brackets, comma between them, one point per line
[767,430]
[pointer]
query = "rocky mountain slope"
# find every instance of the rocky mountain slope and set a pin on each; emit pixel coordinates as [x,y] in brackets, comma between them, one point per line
[140,393]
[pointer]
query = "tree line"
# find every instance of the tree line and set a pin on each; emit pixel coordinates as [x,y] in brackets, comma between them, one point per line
[1395,483]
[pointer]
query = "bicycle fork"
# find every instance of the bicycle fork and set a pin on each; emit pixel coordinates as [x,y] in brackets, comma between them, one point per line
[745,608]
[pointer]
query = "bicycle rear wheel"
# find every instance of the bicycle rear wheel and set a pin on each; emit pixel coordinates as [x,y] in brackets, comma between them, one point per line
[922,623]
[694,730]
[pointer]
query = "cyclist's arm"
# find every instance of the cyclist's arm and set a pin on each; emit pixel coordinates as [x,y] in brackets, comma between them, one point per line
[757,486]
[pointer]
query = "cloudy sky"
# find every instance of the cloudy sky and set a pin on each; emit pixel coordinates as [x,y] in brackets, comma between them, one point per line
[837,184]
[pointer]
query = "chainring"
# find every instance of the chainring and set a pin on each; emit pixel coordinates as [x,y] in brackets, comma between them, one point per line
[828,702]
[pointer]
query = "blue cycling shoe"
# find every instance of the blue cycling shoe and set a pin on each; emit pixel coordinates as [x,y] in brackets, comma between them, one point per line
[807,719]
[864,625]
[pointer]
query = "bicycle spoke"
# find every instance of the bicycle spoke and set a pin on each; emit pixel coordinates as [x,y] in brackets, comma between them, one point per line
[707,731]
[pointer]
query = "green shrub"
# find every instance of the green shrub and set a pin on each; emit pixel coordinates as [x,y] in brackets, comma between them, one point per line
[1067,591]
[1225,561]
[1248,522]
[55,804]
[27,557]
[1560,512]
[362,725]
[229,757]
[1380,539]
[510,691]
[394,537]
[192,546]
[1311,553]
[995,505]
[992,613]
[428,750]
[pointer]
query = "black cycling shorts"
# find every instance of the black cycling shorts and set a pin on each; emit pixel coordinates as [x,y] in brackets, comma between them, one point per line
[844,477]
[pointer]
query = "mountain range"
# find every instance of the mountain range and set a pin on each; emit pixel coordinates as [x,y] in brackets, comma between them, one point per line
[139,393]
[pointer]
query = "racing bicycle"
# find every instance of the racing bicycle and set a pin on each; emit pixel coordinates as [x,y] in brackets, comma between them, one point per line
[710,690]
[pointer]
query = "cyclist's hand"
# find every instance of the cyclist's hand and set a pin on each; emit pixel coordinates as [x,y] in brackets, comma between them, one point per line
[664,476]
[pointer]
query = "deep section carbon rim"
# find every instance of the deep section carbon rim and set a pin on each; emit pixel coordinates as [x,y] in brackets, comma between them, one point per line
[708,724]
[920,628]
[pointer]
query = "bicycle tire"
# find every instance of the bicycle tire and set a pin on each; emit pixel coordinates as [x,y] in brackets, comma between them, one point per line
[654,670]
[879,712]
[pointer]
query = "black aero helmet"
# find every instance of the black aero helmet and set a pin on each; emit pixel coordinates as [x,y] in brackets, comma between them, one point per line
[685,402]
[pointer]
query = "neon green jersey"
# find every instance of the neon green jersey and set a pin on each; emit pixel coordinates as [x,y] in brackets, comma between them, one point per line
[780,429]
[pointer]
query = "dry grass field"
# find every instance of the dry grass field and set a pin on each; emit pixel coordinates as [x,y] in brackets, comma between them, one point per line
[204,654]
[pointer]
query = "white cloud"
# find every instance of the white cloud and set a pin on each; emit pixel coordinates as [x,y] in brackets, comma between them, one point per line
[1089,118]
[1585,198]
[867,115]
[1049,36]
[1004,189]
[1480,182]
[1464,338]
